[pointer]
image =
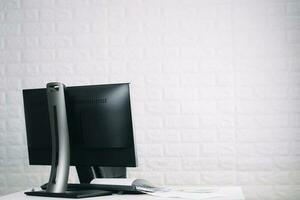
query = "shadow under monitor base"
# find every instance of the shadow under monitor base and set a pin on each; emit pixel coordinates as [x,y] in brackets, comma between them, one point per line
[70,194]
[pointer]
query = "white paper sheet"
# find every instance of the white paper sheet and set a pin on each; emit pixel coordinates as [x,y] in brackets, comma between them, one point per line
[180,193]
[114,181]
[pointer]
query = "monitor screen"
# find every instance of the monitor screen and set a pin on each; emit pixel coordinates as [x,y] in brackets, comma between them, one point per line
[99,122]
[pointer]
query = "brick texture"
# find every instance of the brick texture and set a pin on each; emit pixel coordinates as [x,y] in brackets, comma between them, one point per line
[215,85]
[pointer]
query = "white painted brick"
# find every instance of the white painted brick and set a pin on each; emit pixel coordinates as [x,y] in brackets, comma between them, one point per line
[2,17]
[293,9]
[266,107]
[33,83]
[162,136]
[227,163]
[221,93]
[227,149]
[34,28]
[272,149]
[162,79]
[287,162]
[143,66]
[152,150]
[163,164]
[281,178]
[218,177]
[10,56]
[185,65]
[226,134]
[88,41]
[293,36]
[2,98]
[159,52]
[98,54]
[203,135]
[15,138]
[149,122]
[245,92]
[21,42]
[10,29]
[267,135]
[246,178]
[188,122]
[262,121]
[246,149]
[38,55]
[36,4]
[180,93]
[55,14]
[254,163]
[13,111]
[201,78]
[294,176]
[162,107]
[21,15]
[53,69]
[118,53]
[68,55]
[225,79]
[287,192]
[199,164]
[208,121]
[15,180]
[71,28]
[140,93]
[295,148]
[2,112]
[180,38]
[10,83]
[2,184]
[55,42]
[226,121]
[14,97]
[181,150]
[226,106]
[209,149]
[15,125]
[222,121]
[198,107]
[13,4]
[16,152]
[1,43]
[3,152]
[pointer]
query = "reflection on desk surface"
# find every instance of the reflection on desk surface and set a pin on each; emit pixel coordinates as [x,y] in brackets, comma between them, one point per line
[228,193]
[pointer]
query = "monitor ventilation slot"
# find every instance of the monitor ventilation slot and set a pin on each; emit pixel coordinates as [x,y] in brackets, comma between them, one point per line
[90,100]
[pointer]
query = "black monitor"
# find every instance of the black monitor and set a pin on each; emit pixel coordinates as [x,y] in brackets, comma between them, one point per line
[99,121]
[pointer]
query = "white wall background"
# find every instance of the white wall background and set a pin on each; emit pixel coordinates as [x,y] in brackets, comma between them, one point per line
[215,84]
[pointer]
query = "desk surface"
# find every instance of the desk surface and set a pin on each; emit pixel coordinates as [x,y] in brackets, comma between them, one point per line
[230,193]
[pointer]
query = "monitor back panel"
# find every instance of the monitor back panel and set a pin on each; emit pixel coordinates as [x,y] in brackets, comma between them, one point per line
[99,121]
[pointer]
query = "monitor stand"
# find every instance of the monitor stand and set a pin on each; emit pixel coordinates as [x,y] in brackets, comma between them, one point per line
[87,173]
[60,164]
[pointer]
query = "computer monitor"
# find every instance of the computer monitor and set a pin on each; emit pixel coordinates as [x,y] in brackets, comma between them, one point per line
[99,121]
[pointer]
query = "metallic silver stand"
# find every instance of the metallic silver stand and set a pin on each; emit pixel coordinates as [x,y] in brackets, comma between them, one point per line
[58,181]
[60,136]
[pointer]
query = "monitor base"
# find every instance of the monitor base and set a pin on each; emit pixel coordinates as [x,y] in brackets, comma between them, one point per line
[70,194]
[119,189]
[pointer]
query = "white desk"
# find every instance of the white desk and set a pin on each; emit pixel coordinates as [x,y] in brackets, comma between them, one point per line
[232,193]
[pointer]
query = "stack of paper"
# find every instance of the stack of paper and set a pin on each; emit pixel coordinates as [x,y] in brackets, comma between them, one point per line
[180,193]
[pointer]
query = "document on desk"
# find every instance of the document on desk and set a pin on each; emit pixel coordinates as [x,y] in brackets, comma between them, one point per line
[196,194]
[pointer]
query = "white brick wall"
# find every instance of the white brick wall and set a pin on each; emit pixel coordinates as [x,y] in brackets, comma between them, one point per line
[215,85]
